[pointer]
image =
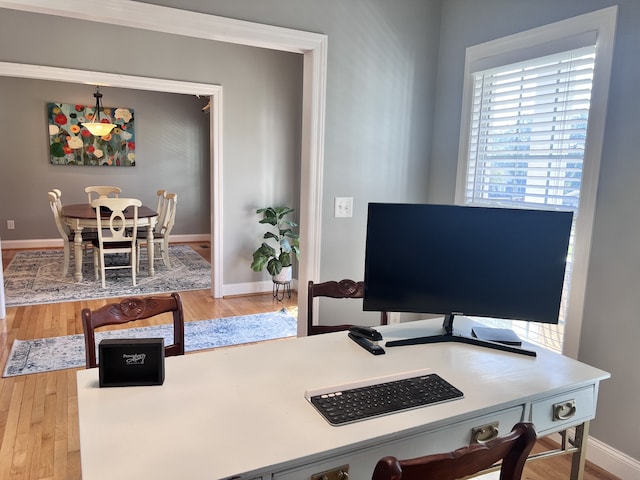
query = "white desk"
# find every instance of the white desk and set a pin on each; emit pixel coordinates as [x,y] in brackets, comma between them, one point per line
[241,412]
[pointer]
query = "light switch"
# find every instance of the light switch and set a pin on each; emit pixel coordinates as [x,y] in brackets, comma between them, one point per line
[343,207]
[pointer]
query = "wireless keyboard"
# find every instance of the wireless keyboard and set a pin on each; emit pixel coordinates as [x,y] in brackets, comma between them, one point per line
[348,405]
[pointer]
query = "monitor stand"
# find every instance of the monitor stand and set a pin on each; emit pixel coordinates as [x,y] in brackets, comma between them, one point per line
[449,336]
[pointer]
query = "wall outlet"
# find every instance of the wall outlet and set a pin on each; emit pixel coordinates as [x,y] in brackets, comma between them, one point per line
[11,225]
[343,207]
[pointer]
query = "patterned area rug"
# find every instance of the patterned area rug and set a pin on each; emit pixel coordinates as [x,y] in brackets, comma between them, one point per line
[35,277]
[58,353]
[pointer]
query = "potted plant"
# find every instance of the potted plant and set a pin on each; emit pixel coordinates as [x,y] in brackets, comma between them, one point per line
[277,260]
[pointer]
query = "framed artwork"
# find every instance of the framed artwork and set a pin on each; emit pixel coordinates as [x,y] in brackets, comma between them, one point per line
[72,144]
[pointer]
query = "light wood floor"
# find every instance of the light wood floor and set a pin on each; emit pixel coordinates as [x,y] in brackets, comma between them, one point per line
[38,413]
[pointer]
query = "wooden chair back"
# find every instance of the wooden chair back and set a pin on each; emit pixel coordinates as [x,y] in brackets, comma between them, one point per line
[131,310]
[160,208]
[55,202]
[101,191]
[513,449]
[56,209]
[169,214]
[166,220]
[343,289]
[58,193]
[116,233]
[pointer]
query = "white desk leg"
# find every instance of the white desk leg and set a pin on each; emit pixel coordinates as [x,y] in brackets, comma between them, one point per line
[578,459]
[77,252]
[150,249]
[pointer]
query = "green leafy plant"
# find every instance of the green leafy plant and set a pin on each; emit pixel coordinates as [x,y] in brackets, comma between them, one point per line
[286,239]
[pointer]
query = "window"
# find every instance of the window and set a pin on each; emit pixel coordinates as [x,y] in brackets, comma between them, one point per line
[529,139]
[528,132]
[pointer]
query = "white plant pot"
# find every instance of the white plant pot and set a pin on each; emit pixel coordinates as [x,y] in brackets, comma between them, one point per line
[284,276]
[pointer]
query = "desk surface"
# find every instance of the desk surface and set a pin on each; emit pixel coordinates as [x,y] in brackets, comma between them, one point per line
[242,411]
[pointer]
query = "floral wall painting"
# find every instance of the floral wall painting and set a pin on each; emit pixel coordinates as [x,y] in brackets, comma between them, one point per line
[72,144]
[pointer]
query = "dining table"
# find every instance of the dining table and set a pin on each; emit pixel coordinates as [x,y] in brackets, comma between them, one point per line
[82,215]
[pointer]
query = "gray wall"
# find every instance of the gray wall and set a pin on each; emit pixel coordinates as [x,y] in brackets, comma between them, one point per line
[382,60]
[610,329]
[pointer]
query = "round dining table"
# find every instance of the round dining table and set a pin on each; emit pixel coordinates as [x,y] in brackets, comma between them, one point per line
[82,215]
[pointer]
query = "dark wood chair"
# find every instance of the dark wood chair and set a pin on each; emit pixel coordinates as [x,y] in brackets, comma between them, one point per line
[513,449]
[343,289]
[129,310]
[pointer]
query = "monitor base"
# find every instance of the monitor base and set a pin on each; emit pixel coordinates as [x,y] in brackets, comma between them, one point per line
[449,336]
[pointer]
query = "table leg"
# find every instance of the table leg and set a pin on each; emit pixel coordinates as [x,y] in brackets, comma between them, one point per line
[150,249]
[578,459]
[77,253]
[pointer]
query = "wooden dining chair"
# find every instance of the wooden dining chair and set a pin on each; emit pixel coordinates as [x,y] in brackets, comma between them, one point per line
[65,231]
[513,449]
[130,310]
[160,207]
[343,289]
[101,191]
[116,234]
[58,193]
[166,220]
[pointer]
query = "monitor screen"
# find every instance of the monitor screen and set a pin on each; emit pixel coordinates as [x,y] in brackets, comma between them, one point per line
[477,261]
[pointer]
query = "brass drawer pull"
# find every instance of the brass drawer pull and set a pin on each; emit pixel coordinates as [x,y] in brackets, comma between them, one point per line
[339,473]
[564,410]
[485,433]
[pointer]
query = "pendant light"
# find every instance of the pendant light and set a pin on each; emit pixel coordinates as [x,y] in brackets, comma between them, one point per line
[96,127]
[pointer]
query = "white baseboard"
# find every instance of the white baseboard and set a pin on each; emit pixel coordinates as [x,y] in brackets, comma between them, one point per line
[612,460]
[265,286]
[57,242]
[193,237]
[37,243]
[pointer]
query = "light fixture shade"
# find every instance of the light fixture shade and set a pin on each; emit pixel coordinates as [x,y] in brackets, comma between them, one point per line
[96,127]
[99,129]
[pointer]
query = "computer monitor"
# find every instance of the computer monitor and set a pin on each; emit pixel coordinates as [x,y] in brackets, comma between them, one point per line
[465,260]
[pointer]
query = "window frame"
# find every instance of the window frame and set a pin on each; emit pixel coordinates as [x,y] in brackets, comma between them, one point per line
[535,43]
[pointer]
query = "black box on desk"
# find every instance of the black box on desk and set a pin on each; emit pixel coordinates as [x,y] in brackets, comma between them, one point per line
[126,362]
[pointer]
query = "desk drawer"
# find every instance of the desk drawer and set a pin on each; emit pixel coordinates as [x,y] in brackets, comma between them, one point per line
[362,462]
[562,411]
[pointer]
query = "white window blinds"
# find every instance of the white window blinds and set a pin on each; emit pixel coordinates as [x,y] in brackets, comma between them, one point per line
[526,146]
[528,132]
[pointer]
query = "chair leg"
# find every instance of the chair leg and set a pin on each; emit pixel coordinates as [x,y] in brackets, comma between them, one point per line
[85,249]
[165,253]
[98,266]
[103,270]
[133,265]
[67,256]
